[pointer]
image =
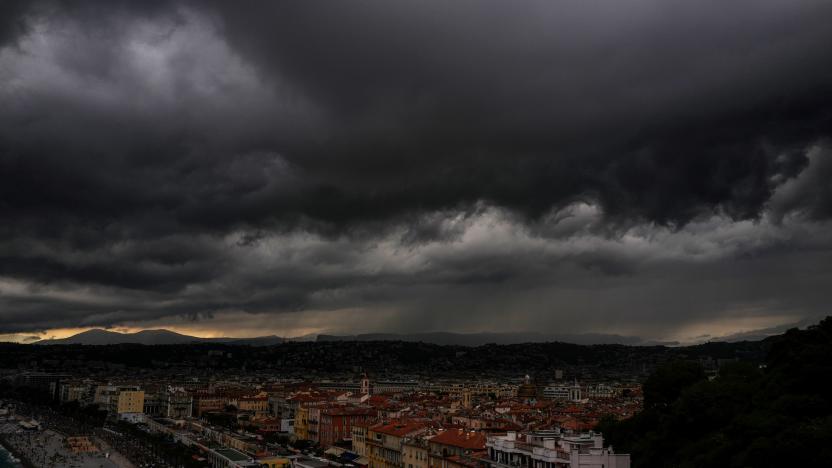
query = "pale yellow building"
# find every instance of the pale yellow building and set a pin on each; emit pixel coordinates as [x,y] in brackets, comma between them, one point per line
[359,438]
[415,453]
[126,400]
[384,442]
[259,405]
[301,427]
[274,462]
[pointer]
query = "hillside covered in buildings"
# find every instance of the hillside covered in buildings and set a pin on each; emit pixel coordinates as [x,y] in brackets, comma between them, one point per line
[408,404]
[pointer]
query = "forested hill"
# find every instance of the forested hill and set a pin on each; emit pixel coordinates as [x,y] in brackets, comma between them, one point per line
[773,415]
[331,359]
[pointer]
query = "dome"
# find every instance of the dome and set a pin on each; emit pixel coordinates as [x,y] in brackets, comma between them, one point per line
[526,390]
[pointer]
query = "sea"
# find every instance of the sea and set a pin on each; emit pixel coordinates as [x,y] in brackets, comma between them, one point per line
[6,459]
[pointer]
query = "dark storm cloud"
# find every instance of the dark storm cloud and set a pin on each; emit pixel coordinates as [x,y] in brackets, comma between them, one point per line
[660,110]
[12,20]
[147,149]
[811,191]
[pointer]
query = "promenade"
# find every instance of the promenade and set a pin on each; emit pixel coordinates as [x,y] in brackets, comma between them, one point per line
[46,449]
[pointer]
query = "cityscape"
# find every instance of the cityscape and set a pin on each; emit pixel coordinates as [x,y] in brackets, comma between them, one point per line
[232,420]
[391,404]
[415,234]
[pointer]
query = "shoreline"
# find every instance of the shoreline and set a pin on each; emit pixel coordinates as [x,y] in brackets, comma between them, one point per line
[13,451]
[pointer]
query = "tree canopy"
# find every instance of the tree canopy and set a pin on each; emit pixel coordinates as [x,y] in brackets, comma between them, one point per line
[773,415]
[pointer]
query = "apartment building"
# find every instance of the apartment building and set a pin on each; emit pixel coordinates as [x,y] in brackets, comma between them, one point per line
[385,440]
[336,423]
[454,444]
[553,449]
[415,452]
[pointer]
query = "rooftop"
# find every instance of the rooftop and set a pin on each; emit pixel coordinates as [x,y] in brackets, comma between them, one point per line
[460,438]
[231,454]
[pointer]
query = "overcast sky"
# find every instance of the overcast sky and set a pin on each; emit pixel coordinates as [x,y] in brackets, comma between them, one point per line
[659,168]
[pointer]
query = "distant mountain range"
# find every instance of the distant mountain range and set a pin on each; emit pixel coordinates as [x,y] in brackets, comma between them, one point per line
[99,336]
[479,339]
[166,337]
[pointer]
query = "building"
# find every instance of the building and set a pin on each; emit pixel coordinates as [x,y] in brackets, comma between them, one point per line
[72,391]
[155,404]
[287,426]
[301,427]
[527,391]
[336,423]
[340,456]
[553,449]
[102,395]
[466,399]
[450,443]
[179,404]
[206,403]
[313,421]
[359,438]
[129,401]
[563,392]
[175,429]
[41,381]
[274,462]
[258,405]
[307,462]
[394,387]
[601,391]
[121,401]
[305,425]
[230,458]
[242,442]
[492,389]
[415,452]
[385,440]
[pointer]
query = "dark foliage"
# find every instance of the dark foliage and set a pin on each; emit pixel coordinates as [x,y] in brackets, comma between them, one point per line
[663,387]
[774,415]
[380,357]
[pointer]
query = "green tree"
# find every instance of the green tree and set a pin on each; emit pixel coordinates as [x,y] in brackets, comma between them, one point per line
[775,415]
[664,386]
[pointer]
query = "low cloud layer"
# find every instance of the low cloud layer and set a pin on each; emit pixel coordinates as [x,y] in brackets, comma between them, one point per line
[646,167]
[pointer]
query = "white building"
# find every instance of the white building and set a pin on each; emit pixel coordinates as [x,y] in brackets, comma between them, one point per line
[563,392]
[553,449]
[601,391]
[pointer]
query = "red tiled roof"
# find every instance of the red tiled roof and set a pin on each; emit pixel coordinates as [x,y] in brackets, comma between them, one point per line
[349,411]
[461,438]
[398,429]
[364,423]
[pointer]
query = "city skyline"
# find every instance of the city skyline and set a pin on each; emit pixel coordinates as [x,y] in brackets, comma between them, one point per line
[656,169]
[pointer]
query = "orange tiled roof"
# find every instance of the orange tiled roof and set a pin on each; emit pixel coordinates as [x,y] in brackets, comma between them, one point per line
[348,411]
[461,438]
[398,429]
